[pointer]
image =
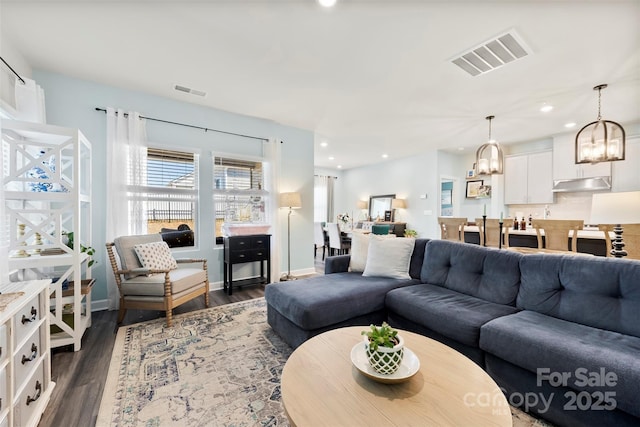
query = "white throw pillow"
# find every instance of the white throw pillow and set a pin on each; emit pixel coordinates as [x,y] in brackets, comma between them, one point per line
[155,256]
[360,249]
[389,258]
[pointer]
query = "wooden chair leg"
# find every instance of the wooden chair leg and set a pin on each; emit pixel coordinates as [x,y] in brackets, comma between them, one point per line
[206,296]
[121,311]
[169,317]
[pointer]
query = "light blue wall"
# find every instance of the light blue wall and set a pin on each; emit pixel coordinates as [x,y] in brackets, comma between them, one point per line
[71,102]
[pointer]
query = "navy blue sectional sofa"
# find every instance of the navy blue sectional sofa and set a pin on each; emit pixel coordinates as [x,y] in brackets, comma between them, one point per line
[559,333]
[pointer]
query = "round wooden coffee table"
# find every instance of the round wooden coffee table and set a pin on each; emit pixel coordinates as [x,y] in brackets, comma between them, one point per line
[322,387]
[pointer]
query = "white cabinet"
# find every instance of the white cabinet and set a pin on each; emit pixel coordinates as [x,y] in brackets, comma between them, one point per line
[25,358]
[626,173]
[47,189]
[564,161]
[528,179]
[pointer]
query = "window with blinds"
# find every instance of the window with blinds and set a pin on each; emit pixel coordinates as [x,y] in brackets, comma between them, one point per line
[239,195]
[167,185]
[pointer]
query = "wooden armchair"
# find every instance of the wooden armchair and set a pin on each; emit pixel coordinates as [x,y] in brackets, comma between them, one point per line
[147,289]
[630,237]
[452,228]
[492,231]
[556,233]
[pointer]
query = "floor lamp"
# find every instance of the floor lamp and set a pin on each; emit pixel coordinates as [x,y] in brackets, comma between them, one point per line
[291,201]
[618,209]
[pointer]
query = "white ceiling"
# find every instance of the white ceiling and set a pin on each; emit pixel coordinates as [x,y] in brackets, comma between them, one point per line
[368,76]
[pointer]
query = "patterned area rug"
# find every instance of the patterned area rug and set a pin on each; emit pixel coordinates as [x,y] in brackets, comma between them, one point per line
[215,367]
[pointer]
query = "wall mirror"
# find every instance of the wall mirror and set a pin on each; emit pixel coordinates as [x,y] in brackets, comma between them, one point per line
[379,204]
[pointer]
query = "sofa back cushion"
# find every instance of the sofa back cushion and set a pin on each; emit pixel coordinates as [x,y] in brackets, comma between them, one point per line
[417,258]
[489,274]
[600,292]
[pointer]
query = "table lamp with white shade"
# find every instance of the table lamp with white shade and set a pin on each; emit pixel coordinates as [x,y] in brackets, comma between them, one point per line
[616,208]
[397,204]
[292,201]
[363,205]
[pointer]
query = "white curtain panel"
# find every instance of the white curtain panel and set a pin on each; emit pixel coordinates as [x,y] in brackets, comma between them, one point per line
[29,101]
[272,152]
[4,226]
[126,159]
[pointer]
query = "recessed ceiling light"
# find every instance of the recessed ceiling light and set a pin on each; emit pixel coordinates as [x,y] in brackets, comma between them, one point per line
[570,125]
[324,144]
[546,108]
[460,148]
[339,166]
[384,156]
[327,3]
[331,158]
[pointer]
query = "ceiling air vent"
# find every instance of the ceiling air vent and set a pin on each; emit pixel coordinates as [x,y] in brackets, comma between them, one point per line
[492,54]
[185,89]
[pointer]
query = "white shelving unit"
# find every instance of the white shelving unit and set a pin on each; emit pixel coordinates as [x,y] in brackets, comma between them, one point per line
[47,188]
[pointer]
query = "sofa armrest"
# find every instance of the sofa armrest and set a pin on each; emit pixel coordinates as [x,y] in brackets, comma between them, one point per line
[337,264]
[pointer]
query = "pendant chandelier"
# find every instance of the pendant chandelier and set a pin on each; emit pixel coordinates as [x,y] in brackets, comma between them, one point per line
[489,157]
[600,141]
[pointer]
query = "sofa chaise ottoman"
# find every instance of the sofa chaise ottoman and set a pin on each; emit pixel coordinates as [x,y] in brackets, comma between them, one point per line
[300,309]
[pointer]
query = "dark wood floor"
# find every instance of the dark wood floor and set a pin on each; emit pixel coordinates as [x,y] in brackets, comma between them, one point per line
[80,376]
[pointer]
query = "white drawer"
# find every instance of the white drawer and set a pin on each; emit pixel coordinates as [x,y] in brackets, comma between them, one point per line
[26,320]
[4,343]
[4,395]
[25,406]
[26,357]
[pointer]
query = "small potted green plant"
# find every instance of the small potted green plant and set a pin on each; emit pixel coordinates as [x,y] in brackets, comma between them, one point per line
[84,249]
[384,348]
[410,233]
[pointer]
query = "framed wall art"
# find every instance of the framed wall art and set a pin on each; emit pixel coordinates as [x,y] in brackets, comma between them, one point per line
[473,188]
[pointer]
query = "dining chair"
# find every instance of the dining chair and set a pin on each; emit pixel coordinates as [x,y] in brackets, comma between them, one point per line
[452,228]
[151,288]
[318,239]
[491,229]
[630,237]
[557,233]
[336,242]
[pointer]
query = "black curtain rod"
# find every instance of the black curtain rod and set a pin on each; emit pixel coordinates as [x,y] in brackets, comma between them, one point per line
[191,126]
[13,71]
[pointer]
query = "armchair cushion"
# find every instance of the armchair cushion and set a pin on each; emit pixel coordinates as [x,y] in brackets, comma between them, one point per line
[128,257]
[153,285]
[155,256]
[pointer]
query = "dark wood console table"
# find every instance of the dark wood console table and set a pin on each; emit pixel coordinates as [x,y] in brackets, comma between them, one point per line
[244,249]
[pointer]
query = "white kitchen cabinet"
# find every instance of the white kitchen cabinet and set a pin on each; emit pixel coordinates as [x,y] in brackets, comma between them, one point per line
[528,178]
[47,192]
[564,161]
[25,359]
[626,173]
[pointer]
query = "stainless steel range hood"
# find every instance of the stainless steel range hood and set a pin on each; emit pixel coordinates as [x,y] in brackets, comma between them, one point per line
[597,183]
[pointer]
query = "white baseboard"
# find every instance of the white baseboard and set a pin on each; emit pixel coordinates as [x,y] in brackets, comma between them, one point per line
[99,305]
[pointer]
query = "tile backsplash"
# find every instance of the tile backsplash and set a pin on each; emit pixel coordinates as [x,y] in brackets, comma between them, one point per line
[566,206]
